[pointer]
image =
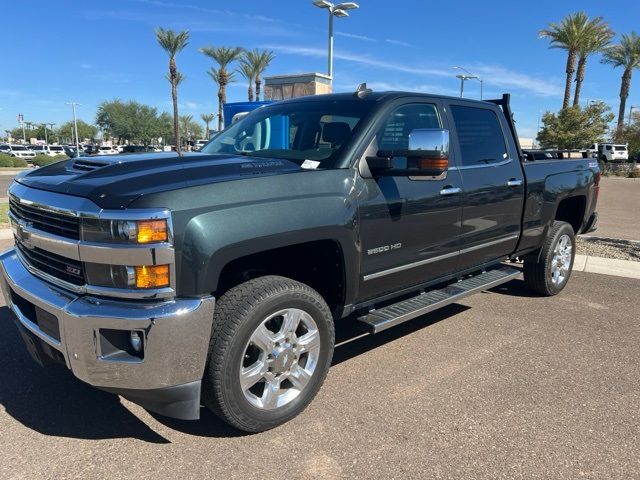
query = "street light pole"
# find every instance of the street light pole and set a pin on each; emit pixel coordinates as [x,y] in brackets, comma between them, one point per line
[469,76]
[75,125]
[46,140]
[631,108]
[339,10]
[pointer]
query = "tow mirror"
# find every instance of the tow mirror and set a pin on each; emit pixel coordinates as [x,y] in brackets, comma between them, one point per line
[427,155]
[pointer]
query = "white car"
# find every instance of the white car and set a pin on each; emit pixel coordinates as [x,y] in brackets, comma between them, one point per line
[199,144]
[49,150]
[610,152]
[106,151]
[18,151]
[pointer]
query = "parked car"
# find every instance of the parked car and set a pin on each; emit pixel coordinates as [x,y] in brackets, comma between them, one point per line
[134,149]
[91,149]
[199,144]
[49,150]
[217,277]
[106,151]
[18,151]
[609,152]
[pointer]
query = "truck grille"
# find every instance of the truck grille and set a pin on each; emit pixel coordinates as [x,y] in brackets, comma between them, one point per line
[45,220]
[66,269]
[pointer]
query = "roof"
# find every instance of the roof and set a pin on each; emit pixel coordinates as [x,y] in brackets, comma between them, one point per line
[373,97]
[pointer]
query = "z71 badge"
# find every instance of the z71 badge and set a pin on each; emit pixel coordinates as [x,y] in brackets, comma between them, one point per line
[384,248]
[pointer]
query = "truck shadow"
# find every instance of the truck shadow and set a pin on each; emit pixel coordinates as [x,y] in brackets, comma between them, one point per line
[53,402]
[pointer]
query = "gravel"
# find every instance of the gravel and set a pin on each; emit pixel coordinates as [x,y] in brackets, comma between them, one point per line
[609,248]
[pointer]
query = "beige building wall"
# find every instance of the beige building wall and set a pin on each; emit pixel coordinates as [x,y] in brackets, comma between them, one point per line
[282,87]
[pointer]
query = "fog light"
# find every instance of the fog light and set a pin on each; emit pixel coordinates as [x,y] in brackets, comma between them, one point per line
[136,341]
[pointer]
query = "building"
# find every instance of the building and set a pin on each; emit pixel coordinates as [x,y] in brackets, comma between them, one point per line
[281,87]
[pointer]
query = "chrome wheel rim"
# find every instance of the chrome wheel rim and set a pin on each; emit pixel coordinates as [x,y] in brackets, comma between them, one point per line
[279,359]
[561,261]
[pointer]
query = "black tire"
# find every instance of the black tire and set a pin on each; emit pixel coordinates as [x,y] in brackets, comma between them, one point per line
[538,272]
[238,314]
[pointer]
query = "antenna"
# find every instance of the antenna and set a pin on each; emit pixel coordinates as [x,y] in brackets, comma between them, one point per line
[362,90]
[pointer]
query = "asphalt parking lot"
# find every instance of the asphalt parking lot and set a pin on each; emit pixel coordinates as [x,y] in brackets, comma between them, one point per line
[502,385]
[619,216]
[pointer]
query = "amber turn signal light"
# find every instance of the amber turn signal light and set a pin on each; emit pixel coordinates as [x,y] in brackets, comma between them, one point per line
[152,231]
[152,276]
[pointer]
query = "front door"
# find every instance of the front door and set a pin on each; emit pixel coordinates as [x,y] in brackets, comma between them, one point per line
[409,225]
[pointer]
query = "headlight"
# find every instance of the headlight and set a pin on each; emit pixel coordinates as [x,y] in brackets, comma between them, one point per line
[122,276]
[125,231]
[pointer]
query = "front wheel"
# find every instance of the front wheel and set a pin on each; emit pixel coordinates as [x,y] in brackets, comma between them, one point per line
[549,274]
[270,351]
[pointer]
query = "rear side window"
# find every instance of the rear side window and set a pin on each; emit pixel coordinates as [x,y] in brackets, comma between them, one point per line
[479,134]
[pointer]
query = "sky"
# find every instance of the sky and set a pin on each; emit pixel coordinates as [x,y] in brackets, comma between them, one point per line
[91,51]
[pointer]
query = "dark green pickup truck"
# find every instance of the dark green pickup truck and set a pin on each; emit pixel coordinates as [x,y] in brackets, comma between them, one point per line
[216,278]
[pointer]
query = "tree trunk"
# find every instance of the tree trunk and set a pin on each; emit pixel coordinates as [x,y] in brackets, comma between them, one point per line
[220,104]
[173,73]
[258,83]
[624,93]
[582,65]
[250,90]
[571,62]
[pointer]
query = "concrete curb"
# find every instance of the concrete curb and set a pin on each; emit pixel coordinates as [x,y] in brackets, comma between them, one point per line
[607,266]
[609,239]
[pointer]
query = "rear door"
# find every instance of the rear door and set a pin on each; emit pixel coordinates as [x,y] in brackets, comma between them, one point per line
[493,183]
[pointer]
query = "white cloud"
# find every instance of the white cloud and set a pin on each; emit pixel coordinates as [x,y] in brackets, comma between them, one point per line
[400,43]
[492,75]
[355,36]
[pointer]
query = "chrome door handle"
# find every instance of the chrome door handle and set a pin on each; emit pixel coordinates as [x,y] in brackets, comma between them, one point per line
[514,183]
[450,190]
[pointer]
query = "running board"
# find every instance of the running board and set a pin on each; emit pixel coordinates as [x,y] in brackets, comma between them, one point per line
[378,320]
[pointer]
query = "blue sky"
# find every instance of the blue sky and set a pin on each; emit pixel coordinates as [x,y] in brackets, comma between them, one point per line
[92,51]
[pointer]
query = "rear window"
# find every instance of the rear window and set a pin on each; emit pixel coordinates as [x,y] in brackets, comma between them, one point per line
[18,148]
[479,134]
[56,149]
[620,148]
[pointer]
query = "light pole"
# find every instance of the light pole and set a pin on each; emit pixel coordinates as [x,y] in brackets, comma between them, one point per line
[75,125]
[339,10]
[51,125]
[631,109]
[469,76]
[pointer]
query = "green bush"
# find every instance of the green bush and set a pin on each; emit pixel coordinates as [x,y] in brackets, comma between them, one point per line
[634,173]
[42,160]
[19,162]
[6,160]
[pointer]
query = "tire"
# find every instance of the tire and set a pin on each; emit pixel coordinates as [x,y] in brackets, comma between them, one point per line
[549,274]
[248,321]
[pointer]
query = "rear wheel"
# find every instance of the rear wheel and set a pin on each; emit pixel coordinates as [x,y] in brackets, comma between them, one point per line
[550,272]
[270,351]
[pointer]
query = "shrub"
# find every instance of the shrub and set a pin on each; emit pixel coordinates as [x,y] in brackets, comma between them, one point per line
[6,160]
[19,162]
[42,160]
[634,172]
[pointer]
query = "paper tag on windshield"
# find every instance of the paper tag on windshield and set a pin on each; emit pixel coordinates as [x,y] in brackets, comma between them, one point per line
[310,164]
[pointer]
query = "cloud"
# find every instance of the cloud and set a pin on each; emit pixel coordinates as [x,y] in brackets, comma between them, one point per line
[86,66]
[397,42]
[213,11]
[355,36]
[492,75]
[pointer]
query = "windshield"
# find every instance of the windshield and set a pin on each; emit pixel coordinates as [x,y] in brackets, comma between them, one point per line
[57,149]
[297,131]
[18,148]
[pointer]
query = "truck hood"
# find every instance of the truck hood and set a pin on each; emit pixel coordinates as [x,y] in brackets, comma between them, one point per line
[115,181]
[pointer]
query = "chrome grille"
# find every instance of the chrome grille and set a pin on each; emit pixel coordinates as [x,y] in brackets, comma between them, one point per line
[66,269]
[45,220]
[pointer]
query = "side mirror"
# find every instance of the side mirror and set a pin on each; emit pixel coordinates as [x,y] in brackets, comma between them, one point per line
[427,155]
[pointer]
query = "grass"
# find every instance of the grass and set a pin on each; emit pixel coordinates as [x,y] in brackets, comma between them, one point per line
[4,217]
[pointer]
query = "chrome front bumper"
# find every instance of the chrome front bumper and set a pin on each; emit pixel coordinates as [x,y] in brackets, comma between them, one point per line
[176,333]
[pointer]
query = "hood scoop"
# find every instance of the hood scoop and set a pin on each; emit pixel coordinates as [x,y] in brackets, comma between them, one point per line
[88,165]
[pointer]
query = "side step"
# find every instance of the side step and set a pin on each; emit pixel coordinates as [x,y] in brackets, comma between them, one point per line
[391,315]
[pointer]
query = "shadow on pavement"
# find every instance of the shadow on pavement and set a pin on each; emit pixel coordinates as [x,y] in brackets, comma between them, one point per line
[53,402]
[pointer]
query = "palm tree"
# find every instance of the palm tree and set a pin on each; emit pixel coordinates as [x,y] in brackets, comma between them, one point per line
[248,71]
[207,118]
[173,43]
[596,37]
[259,61]
[185,123]
[568,35]
[627,55]
[223,56]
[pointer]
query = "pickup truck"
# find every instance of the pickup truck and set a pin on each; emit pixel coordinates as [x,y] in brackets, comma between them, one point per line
[216,278]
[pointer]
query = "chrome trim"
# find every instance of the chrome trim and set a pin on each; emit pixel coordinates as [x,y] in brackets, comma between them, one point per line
[124,254]
[177,332]
[514,182]
[49,278]
[408,266]
[487,165]
[450,190]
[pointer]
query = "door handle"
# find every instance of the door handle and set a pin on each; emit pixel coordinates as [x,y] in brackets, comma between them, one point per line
[514,182]
[449,190]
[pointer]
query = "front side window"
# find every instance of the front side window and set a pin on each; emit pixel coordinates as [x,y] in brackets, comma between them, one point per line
[394,134]
[479,134]
[295,131]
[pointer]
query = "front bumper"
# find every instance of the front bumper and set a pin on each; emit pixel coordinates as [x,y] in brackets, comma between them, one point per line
[176,338]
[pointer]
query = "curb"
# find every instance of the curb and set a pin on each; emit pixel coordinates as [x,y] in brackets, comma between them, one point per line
[606,266]
[5,233]
[609,239]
